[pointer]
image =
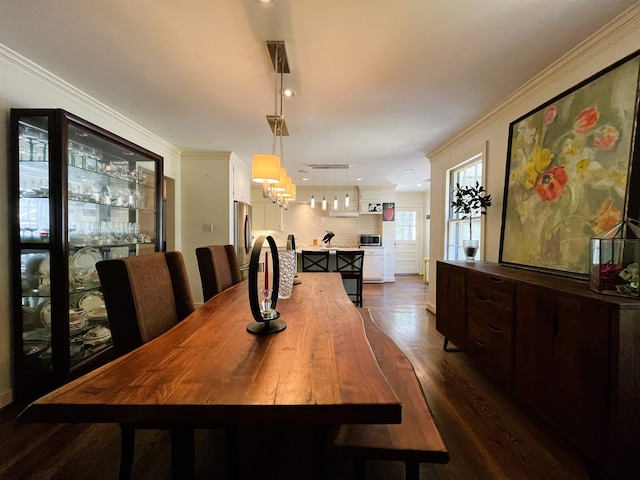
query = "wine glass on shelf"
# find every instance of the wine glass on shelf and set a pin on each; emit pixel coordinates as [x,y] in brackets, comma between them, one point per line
[31,226]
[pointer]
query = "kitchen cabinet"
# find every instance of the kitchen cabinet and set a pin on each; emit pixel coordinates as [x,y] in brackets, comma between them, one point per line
[78,194]
[373,265]
[266,216]
[370,200]
[241,181]
[568,353]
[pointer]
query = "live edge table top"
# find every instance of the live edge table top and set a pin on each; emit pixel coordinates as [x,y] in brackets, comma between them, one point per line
[209,370]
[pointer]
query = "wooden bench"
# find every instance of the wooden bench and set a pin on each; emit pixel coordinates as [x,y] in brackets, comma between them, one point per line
[416,440]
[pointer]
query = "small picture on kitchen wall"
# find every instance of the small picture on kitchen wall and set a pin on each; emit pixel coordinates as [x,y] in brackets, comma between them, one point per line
[388,212]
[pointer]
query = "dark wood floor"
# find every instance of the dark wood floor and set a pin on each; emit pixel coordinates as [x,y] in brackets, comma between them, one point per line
[490,435]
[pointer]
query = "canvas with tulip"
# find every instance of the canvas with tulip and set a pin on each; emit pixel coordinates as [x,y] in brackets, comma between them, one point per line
[567,172]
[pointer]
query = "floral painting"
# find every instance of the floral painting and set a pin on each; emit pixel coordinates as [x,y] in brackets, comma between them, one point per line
[567,171]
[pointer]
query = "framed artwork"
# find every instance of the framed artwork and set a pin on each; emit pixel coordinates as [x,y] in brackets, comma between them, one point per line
[375,208]
[569,172]
[388,212]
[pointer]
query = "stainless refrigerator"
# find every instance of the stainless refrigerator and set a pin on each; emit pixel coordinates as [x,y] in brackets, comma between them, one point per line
[243,239]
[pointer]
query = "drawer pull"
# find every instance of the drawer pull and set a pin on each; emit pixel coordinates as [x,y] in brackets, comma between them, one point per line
[496,279]
[480,297]
[494,328]
[479,342]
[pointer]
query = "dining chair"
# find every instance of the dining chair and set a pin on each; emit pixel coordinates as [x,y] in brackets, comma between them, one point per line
[315,261]
[145,296]
[349,264]
[218,267]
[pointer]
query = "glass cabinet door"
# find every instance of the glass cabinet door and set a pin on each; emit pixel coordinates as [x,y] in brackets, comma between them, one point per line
[34,235]
[82,195]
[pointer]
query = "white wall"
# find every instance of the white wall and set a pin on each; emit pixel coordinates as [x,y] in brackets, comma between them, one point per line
[206,198]
[618,39]
[25,85]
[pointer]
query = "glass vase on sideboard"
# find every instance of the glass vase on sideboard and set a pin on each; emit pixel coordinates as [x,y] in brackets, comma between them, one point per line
[78,194]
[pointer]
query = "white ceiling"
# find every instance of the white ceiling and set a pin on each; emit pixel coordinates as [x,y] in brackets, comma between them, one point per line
[380,83]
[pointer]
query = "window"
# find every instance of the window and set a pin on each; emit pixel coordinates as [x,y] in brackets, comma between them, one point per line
[466,174]
[406,225]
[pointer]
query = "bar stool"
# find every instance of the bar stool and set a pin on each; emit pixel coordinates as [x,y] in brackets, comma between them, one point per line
[315,261]
[349,264]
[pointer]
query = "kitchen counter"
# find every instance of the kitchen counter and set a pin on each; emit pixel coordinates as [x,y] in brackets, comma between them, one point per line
[322,248]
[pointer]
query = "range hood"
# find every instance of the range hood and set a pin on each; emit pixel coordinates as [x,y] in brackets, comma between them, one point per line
[344,213]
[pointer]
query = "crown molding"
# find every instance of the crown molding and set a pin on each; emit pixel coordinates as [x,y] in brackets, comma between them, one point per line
[51,80]
[625,24]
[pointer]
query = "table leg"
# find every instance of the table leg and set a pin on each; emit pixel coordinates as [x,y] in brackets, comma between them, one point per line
[319,445]
[182,453]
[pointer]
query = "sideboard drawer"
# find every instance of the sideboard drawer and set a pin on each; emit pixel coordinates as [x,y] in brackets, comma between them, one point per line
[491,288]
[487,314]
[492,350]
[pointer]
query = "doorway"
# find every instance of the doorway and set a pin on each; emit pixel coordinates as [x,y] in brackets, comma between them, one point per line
[408,253]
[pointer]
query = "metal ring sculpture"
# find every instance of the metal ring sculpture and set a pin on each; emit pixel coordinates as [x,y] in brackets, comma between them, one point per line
[261,324]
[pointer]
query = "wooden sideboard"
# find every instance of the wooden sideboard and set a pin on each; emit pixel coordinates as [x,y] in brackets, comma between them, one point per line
[570,354]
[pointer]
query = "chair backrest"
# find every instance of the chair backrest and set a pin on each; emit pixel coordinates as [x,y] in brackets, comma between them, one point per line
[349,261]
[145,296]
[315,261]
[291,242]
[218,267]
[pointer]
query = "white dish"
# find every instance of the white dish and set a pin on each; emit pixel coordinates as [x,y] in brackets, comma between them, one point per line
[97,334]
[84,265]
[42,313]
[98,314]
[91,301]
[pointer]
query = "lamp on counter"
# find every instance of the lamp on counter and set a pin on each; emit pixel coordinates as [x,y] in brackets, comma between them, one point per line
[268,169]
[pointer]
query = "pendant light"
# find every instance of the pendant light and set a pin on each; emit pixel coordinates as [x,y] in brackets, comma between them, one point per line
[313,201]
[346,200]
[269,169]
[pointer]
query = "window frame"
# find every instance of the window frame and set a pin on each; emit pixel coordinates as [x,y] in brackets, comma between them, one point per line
[456,229]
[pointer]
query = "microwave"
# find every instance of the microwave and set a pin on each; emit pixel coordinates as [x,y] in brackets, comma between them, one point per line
[370,240]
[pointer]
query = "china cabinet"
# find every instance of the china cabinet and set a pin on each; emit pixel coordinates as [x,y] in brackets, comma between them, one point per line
[78,194]
[570,354]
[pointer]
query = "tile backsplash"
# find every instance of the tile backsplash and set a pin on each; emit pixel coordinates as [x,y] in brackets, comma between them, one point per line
[307,224]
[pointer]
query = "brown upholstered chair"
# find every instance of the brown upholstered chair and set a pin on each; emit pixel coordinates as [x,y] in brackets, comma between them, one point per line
[218,269]
[349,264]
[145,296]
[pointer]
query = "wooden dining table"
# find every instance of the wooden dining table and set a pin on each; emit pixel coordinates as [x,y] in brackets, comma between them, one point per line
[209,369]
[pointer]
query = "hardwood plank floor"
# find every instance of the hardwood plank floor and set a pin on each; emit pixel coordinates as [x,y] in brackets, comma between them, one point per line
[489,433]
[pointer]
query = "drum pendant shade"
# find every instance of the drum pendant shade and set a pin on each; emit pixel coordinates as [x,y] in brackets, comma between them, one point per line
[281,186]
[265,168]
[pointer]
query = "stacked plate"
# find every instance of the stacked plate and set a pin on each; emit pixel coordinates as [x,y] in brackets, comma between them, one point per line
[93,305]
[97,337]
